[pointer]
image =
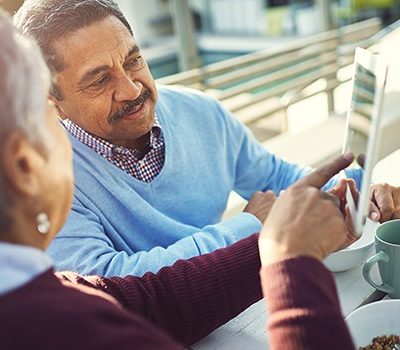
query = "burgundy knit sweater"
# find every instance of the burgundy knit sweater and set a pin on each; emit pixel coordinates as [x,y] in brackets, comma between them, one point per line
[177,306]
[168,310]
[303,305]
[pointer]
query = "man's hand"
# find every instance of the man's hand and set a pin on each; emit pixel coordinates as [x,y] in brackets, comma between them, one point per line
[305,220]
[260,204]
[385,202]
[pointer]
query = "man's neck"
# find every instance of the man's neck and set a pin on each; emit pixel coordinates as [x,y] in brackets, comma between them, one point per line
[140,144]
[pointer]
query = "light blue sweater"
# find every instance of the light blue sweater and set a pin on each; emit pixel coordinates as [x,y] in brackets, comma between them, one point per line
[119,225]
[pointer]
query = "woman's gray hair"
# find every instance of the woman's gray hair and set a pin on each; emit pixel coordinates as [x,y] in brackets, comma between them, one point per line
[24,85]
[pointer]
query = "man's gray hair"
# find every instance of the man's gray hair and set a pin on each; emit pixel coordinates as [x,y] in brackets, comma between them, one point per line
[24,85]
[48,20]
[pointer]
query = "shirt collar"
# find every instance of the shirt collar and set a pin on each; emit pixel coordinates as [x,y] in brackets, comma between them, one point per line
[19,265]
[106,148]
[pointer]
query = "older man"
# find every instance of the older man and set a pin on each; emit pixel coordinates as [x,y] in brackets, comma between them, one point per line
[153,166]
[159,311]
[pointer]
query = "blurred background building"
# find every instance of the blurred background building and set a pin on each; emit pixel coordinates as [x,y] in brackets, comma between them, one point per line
[219,29]
[227,28]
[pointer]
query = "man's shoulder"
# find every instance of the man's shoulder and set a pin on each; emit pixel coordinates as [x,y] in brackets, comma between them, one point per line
[180,94]
[192,108]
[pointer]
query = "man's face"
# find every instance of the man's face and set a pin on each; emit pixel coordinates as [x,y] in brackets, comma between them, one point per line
[106,86]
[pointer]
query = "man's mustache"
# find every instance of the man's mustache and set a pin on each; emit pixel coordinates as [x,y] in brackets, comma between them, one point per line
[129,107]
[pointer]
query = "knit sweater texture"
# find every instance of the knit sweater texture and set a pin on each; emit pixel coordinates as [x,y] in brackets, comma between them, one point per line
[177,306]
[168,310]
[303,307]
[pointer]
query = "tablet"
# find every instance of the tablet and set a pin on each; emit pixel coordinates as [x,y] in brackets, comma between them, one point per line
[363,126]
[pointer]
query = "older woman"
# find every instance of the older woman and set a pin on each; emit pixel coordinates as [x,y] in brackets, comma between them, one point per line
[178,305]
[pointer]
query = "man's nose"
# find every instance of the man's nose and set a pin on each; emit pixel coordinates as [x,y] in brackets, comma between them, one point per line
[127,89]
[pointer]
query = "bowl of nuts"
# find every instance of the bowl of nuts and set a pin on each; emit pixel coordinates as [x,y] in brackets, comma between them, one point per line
[376,325]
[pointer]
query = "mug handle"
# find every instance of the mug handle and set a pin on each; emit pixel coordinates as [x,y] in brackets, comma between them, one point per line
[380,256]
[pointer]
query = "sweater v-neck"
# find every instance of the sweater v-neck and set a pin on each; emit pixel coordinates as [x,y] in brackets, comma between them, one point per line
[147,186]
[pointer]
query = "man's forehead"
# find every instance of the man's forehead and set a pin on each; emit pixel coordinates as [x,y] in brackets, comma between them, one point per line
[107,56]
[95,44]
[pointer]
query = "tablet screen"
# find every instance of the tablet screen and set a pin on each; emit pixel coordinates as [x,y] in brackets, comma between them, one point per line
[363,126]
[360,114]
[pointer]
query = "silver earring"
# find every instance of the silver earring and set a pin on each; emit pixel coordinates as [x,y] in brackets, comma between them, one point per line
[43,223]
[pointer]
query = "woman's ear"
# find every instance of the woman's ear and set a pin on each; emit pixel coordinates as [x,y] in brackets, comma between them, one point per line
[22,162]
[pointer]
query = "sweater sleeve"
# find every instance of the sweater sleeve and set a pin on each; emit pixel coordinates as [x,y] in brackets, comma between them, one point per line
[257,169]
[303,306]
[193,297]
[83,245]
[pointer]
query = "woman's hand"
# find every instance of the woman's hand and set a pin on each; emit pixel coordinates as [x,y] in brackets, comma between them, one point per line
[305,220]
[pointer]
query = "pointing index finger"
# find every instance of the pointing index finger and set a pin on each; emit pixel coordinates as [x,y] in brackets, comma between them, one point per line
[323,174]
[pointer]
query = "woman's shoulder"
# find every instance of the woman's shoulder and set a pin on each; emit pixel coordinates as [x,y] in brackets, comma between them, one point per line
[60,312]
[51,293]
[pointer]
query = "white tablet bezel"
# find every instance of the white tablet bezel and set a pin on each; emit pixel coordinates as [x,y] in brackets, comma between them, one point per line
[375,64]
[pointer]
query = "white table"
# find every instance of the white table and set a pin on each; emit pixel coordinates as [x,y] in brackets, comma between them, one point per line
[248,330]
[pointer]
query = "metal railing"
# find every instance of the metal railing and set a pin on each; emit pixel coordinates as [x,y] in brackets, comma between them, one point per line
[262,83]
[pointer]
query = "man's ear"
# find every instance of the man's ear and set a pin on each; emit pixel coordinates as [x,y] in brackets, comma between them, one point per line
[56,104]
[22,162]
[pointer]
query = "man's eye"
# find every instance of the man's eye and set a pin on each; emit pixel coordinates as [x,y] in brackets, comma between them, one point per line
[134,63]
[100,82]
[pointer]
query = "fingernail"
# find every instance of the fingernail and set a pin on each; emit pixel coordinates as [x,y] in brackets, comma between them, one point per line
[348,156]
[375,216]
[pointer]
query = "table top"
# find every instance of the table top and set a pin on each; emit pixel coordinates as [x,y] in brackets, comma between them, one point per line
[248,330]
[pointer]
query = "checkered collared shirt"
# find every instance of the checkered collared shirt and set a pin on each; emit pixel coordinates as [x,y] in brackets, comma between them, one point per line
[144,166]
